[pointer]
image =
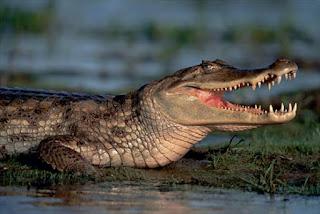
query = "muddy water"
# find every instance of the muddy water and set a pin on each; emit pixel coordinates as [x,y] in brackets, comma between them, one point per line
[148,198]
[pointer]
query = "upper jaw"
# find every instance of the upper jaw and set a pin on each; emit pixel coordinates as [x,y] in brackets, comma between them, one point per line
[232,78]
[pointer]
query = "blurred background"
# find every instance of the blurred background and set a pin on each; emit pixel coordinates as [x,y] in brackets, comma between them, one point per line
[115,46]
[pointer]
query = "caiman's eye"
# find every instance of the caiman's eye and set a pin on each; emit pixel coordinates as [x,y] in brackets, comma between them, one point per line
[209,66]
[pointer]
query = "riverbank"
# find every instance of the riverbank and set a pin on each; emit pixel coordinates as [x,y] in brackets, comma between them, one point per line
[275,159]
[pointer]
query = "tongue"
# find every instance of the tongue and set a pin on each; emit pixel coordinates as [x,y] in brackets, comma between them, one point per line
[215,101]
[211,99]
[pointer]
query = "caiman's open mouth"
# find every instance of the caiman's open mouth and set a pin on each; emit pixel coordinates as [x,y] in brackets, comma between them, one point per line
[214,97]
[195,95]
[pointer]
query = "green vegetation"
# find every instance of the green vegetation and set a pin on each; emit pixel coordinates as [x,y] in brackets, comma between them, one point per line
[184,35]
[275,159]
[283,35]
[267,34]
[23,21]
[179,35]
[14,172]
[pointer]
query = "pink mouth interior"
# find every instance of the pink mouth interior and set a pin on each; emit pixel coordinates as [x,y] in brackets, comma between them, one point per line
[215,99]
[212,99]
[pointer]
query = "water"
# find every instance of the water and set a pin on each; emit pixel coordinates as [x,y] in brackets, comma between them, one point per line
[148,198]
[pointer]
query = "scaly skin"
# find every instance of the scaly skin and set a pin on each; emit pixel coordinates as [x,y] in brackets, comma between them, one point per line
[148,128]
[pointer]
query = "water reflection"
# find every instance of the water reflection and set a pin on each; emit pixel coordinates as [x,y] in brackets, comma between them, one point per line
[148,198]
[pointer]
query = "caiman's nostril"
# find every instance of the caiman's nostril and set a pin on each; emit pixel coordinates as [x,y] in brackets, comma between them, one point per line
[283,63]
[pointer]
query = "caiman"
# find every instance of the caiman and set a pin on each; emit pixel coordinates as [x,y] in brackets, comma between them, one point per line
[147,128]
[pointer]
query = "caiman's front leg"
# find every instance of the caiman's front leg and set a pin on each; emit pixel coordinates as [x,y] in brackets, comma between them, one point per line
[60,153]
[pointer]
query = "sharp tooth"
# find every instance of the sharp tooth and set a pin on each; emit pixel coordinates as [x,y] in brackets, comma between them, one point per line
[269,86]
[259,84]
[295,107]
[260,107]
[276,111]
[270,108]
[279,79]
[248,84]
[262,80]
[282,107]
[272,83]
[235,87]
[286,76]
[253,86]
[255,106]
[294,75]
[230,88]
[290,107]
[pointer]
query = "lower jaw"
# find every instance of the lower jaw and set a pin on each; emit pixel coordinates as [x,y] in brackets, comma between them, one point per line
[239,108]
[233,127]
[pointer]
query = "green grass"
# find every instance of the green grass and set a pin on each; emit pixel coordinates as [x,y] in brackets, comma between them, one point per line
[18,172]
[275,159]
